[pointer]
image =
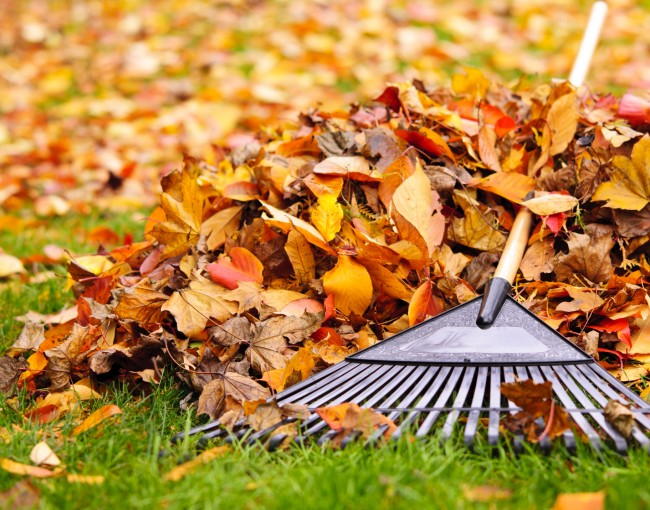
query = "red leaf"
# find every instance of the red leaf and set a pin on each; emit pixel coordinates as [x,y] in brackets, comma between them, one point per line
[555,221]
[419,141]
[329,307]
[634,109]
[390,97]
[241,266]
[619,326]
[329,335]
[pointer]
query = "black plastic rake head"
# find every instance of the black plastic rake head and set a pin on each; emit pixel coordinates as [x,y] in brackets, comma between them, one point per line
[427,383]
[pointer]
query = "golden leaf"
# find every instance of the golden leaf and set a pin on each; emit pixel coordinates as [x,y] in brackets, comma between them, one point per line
[472,83]
[300,256]
[350,284]
[478,229]
[181,471]
[326,216]
[96,418]
[220,226]
[562,119]
[512,186]
[487,139]
[629,187]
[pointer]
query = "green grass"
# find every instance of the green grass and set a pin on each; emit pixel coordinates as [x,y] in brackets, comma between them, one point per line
[125,449]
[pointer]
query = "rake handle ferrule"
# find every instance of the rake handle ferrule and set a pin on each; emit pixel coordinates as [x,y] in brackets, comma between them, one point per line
[498,288]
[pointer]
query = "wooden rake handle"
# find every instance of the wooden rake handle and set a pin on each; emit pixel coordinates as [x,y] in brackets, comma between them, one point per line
[498,288]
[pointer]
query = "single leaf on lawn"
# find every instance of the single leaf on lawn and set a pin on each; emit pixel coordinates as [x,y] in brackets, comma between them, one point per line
[580,501]
[85,479]
[180,472]
[562,119]
[326,216]
[241,266]
[42,454]
[416,202]
[300,256]
[220,226]
[10,265]
[350,284]
[629,184]
[96,418]
[193,306]
[24,469]
[512,186]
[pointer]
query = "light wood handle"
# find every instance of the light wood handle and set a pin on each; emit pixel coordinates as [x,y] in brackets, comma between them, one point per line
[588,44]
[515,246]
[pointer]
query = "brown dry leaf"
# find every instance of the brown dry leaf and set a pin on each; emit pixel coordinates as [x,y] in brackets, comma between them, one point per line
[142,303]
[10,371]
[620,417]
[300,256]
[96,418]
[180,472]
[580,501]
[182,204]
[217,394]
[536,401]
[588,256]
[487,139]
[562,119]
[538,259]
[584,300]
[629,185]
[418,204]
[30,338]
[349,417]
[42,455]
[24,469]
[350,284]
[195,305]
[220,226]
[62,359]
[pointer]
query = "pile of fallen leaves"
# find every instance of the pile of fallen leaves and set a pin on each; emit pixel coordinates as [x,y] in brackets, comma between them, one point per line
[287,254]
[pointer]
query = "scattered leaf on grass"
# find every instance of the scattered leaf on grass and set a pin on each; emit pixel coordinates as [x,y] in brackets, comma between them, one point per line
[96,418]
[42,455]
[181,471]
[24,494]
[580,501]
[24,469]
[481,493]
[85,479]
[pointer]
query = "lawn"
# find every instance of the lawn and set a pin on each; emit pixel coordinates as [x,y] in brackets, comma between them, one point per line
[125,450]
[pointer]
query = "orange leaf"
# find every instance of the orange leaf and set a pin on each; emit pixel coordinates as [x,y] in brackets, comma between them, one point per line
[423,304]
[512,186]
[580,501]
[97,417]
[619,326]
[350,284]
[186,468]
[24,469]
[333,415]
[242,266]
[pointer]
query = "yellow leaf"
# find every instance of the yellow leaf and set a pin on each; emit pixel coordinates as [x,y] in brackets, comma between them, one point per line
[385,280]
[479,228]
[96,418]
[350,284]
[219,227]
[629,187]
[473,83]
[326,216]
[87,479]
[24,469]
[562,119]
[300,256]
[180,472]
[416,202]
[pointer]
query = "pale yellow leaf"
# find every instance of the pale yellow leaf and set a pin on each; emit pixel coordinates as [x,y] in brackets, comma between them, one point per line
[551,203]
[85,479]
[220,226]
[24,469]
[42,454]
[350,284]
[10,265]
[562,119]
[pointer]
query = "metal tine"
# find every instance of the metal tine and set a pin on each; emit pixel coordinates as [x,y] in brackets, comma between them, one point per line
[608,389]
[350,438]
[206,427]
[351,378]
[459,401]
[327,437]
[602,400]
[432,417]
[567,401]
[477,401]
[350,393]
[495,403]
[568,436]
[340,369]
[522,373]
[509,377]
[275,441]
[434,382]
[230,435]
[221,431]
[597,415]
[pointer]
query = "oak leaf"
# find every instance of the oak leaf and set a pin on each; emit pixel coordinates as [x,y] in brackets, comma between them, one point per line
[350,284]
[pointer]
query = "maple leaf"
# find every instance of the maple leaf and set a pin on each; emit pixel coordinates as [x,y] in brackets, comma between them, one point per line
[229,390]
[182,204]
[588,255]
[10,371]
[141,303]
[193,306]
[629,185]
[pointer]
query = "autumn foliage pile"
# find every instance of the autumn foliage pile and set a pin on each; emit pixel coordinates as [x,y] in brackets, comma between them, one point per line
[291,252]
